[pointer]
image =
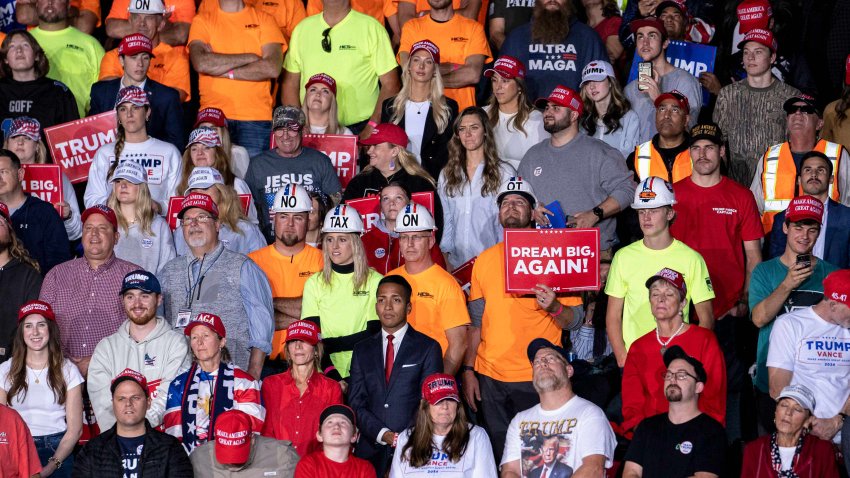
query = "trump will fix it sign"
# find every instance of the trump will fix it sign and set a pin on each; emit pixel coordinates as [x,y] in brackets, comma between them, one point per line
[564,259]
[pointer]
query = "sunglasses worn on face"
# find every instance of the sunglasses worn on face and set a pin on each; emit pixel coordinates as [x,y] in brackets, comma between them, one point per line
[326,40]
[805,109]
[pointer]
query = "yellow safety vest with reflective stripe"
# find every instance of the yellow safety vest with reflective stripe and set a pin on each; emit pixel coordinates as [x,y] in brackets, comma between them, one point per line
[648,162]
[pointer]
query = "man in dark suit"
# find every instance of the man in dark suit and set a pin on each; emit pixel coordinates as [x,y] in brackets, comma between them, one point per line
[815,178]
[551,466]
[387,371]
[166,121]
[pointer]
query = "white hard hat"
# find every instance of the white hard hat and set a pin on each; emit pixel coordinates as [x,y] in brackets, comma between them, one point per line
[413,218]
[343,219]
[516,185]
[292,198]
[147,6]
[653,192]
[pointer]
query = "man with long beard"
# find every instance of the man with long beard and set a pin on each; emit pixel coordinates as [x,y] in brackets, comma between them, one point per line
[585,441]
[554,46]
[144,342]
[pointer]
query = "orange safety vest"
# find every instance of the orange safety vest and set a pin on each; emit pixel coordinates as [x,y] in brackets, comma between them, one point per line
[648,162]
[779,178]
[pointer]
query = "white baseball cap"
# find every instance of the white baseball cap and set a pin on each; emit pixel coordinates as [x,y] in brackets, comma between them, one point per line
[343,219]
[653,192]
[516,185]
[130,171]
[799,394]
[150,7]
[203,177]
[292,198]
[414,218]
[596,70]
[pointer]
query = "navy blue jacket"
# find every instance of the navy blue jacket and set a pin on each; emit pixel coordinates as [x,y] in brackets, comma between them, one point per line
[166,122]
[836,249]
[378,404]
[39,227]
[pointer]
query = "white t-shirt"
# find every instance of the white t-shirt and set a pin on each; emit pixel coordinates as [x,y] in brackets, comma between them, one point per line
[818,353]
[415,115]
[511,143]
[39,408]
[324,129]
[786,454]
[478,457]
[581,430]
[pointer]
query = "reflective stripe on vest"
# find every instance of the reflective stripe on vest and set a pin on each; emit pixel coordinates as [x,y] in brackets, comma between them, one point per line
[648,162]
[779,164]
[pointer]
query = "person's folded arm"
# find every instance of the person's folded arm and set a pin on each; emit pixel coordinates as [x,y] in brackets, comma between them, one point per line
[467,74]
[207,62]
[266,68]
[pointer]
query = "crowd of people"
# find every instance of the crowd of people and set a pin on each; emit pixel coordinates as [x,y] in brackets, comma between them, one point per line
[279,329]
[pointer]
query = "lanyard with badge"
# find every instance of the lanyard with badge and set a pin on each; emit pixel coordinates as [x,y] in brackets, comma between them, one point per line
[185,312]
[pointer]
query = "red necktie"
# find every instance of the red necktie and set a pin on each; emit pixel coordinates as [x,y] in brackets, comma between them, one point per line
[388,364]
[543,475]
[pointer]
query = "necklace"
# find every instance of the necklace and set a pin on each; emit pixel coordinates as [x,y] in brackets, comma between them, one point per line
[38,375]
[421,105]
[665,344]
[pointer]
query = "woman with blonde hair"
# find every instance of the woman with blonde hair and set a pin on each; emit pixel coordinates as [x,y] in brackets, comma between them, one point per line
[320,106]
[608,115]
[468,187]
[421,108]
[237,156]
[144,237]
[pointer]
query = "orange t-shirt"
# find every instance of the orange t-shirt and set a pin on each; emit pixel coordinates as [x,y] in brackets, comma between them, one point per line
[287,275]
[286,13]
[245,31]
[374,8]
[169,66]
[90,5]
[182,11]
[457,39]
[422,7]
[438,303]
[510,321]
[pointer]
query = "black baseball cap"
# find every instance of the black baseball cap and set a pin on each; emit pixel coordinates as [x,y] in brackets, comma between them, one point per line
[801,98]
[676,352]
[343,410]
[540,343]
[709,131]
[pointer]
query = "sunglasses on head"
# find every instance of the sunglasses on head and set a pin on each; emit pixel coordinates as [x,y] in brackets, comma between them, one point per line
[806,109]
[326,40]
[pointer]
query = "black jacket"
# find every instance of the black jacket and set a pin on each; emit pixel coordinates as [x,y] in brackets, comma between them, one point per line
[19,283]
[49,101]
[435,146]
[162,456]
[42,231]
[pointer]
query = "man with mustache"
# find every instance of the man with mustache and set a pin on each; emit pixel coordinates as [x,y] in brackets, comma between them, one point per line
[774,184]
[554,46]
[833,245]
[684,441]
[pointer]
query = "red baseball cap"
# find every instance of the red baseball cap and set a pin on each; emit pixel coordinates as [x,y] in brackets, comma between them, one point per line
[4,211]
[507,67]
[36,307]
[760,36]
[676,96]
[322,79]
[650,21]
[211,115]
[836,286]
[104,211]
[679,4]
[198,200]
[134,44]
[387,133]
[754,14]
[675,279]
[847,71]
[130,374]
[429,46]
[303,330]
[562,96]
[210,320]
[438,387]
[233,430]
[805,207]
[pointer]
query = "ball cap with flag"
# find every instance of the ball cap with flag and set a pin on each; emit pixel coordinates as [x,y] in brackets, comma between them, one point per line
[214,116]
[129,374]
[303,330]
[134,44]
[322,79]
[4,211]
[233,430]
[438,387]
[517,185]
[650,21]
[203,177]
[760,36]
[292,198]
[133,95]
[836,286]
[596,70]
[674,278]
[288,117]
[807,100]
[343,410]
[200,201]
[414,218]
[562,96]
[800,394]
[104,211]
[343,218]
[428,46]
[677,96]
[653,192]
[754,14]
[207,136]
[27,127]
[676,352]
[130,171]
[212,321]
[150,7]
[540,343]
[507,67]
[387,133]
[709,131]
[36,307]
[141,280]
[802,208]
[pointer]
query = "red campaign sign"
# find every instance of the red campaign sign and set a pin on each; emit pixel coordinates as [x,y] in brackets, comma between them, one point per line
[564,259]
[463,274]
[174,203]
[341,148]
[44,181]
[370,207]
[74,143]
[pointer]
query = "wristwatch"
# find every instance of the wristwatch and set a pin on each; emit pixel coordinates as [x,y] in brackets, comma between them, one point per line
[599,212]
[465,368]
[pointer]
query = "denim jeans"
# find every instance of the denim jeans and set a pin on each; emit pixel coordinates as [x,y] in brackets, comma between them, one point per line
[251,135]
[46,446]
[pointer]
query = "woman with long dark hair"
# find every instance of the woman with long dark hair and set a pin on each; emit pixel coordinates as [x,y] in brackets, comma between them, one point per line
[442,429]
[468,187]
[836,124]
[44,387]
[608,115]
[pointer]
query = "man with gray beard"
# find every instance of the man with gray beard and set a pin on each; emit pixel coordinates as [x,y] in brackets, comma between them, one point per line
[579,426]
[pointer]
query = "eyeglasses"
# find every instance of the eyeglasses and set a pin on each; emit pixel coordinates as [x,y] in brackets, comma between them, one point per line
[805,109]
[547,359]
[202,219]
[679,376]
[326,40]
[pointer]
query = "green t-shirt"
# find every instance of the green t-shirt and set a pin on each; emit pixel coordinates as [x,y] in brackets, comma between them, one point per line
[635,263]
[74,60]
[360,53]
[341,309]
[765,279]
